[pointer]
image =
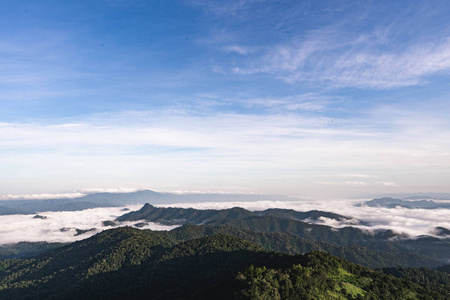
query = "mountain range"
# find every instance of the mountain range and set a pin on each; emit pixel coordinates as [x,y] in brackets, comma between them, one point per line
[425,250]
[228,254]
[94,200]
[394,202]
[128,263]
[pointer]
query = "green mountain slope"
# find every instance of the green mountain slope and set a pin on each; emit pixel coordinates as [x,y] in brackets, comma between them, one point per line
[438,249]
[292,244]
[26,249]
[322,276]
[128,263]
[180,216]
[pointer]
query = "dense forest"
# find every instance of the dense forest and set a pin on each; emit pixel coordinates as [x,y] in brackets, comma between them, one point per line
[377,248]
[130,263]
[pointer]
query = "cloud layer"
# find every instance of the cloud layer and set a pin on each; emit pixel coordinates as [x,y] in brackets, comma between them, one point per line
[414,222]
[179,150]
[18,228]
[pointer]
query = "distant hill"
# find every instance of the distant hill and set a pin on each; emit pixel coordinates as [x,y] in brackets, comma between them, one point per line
[26,249]
[393,202]
[180,216]
[441,231]
[10,211]
[120,199]
[128,263]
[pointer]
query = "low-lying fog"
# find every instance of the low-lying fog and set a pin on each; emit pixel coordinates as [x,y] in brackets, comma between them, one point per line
[61,226]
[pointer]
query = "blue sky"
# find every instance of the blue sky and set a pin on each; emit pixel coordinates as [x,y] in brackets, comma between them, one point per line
[303,98]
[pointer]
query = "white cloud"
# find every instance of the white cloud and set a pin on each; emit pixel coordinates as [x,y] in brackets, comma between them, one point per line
[243,50]
[355,49]
[303,102]
[179,150]
[17,228]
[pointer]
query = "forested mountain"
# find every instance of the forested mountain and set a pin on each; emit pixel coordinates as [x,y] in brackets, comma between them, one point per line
[26,249]
[292,244]
[444,268]
[180,216]
[128,263]
[437,249]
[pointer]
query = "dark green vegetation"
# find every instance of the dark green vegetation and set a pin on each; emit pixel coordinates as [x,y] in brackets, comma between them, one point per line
[26,249]
[128,263]
[444,268]
[292,244]
[420,275]
[381,248]
[180,216]
[393,202]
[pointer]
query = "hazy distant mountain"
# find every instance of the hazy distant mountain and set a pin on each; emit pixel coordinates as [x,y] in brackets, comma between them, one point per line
[10,211]
[414,196]
[393,202]
[120,199]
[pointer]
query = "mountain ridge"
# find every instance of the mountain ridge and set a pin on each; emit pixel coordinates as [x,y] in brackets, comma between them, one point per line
[129,263]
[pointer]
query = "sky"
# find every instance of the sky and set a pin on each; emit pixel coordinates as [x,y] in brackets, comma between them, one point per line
[301,98]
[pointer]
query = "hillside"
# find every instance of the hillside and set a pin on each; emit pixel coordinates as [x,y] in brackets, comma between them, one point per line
[180,216]
[387,241]
[128,263]
[292,244]
[26,249]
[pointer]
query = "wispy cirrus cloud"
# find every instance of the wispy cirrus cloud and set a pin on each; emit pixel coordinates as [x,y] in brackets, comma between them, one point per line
[373,45]
[327,59]
[307,102]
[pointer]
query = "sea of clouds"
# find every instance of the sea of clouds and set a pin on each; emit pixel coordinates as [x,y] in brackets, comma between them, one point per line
[18,228]
[414,222]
